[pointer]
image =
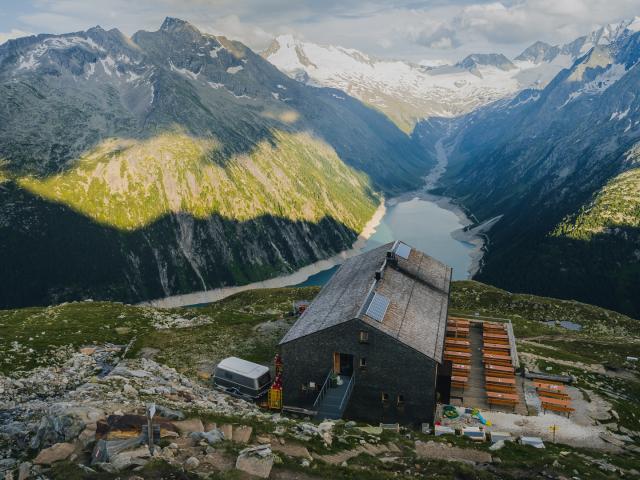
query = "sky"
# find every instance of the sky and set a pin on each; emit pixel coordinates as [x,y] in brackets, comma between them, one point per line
[406,29]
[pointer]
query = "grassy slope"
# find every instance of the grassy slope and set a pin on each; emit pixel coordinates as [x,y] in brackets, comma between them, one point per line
[616,205]
[129,184]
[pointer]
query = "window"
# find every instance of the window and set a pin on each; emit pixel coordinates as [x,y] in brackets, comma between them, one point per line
[363,363]
[400,400]
[364,337]
[385,397]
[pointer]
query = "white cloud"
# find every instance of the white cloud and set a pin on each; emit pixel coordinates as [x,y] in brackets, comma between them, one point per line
[13,33]
[416,30]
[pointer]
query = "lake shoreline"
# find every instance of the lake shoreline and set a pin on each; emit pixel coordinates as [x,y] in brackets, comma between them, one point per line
[294,278]
[471,233]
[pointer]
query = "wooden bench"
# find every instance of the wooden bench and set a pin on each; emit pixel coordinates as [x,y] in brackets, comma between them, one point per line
[501,380]
[457,348]
[494,373]
[460,369]
[548,382]
[459,382]
[499,347]
[500,388]
[557,408]
[502,401]
[550,394]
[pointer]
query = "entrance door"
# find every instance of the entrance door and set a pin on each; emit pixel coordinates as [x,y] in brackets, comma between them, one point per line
[343,364]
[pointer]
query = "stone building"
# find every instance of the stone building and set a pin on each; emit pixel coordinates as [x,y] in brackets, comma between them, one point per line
[370,346]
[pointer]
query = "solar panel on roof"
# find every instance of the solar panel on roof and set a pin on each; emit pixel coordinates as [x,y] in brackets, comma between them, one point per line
[403,250]
[377,307]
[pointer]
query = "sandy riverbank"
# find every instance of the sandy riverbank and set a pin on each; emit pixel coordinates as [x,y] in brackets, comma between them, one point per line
[299,276]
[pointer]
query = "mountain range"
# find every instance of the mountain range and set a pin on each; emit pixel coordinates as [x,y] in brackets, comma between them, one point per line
[174,161]
[409,92]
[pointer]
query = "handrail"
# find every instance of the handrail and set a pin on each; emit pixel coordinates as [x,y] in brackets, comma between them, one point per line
[347,393]
[323,390]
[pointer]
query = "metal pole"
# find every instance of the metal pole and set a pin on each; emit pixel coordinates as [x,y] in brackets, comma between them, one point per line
[151,410]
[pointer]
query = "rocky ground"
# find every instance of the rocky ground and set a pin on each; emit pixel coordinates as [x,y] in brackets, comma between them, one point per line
[86,419]
[75,409]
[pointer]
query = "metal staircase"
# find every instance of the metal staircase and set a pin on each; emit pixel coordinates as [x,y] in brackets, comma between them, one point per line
[332,401]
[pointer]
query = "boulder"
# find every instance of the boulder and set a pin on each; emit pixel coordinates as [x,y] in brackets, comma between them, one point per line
[169,413]
[212,437]
[88,435]
[192,463]
[56,453]
[242,434]
[185,427]
[56,429]
[137,457]
[24,471]
[257,461]
[228,431]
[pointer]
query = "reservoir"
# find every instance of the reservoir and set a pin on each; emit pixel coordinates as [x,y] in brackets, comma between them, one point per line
[421,221]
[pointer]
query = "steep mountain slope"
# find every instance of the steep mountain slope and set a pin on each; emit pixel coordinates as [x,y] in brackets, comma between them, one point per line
[550,161]
[176,161]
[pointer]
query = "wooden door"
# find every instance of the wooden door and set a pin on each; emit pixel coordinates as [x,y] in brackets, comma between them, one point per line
[336,363]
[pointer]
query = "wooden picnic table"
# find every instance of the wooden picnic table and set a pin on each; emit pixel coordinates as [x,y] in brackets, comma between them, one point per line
[460,366]
[548,386]
[498,368]
[497,359]
[555,401]
[503,396]
[499,353]
[459,379]
[501,380]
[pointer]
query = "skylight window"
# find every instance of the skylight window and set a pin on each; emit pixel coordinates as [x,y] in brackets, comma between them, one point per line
[377,307]
[403,250]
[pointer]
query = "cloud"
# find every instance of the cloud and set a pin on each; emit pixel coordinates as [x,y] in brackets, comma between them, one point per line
[231,26]
[13,33]
[442,38]
[410,29]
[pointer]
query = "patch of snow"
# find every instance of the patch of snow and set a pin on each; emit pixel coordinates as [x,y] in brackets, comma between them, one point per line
[184,71]
[281,87]
[91,68]
[108,64]
[619,115]
[599,84]
[133,77]
[214,53]
[234,70]
[215,85]
[339,97]
[275,95]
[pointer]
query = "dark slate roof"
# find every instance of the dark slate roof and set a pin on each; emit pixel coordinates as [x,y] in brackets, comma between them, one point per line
[417,288]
